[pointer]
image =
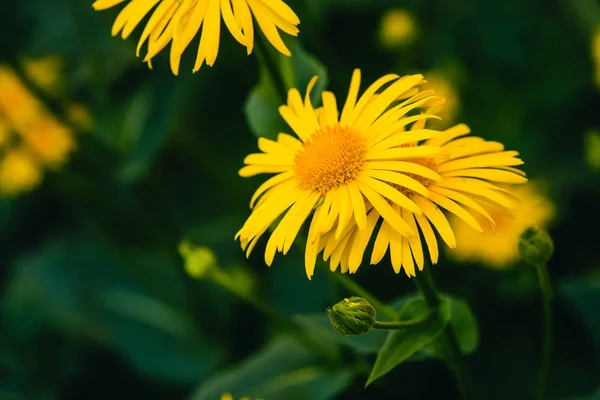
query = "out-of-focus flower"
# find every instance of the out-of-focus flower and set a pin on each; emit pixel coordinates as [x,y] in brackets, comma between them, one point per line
[45,72]
[592,149]
[342,166]
[498,247]
[397,29]
[596,56]
[31,137]
[199,261]
[79,116]
[228,396]
[447,111]
[178,22]
[18,172]
[462,183]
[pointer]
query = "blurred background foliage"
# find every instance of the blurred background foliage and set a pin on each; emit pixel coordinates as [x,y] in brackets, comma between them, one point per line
[96,300]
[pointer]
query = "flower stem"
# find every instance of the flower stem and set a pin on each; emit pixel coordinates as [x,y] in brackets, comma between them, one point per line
[399,324]
[546,288]
[454,357]
[358,290]
[222,279]
[269,60]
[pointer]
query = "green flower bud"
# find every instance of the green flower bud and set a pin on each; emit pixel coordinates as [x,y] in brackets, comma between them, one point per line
[199,261]
[352,317]
[536,246]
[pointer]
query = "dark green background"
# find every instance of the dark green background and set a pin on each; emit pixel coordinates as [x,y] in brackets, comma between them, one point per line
[95,302]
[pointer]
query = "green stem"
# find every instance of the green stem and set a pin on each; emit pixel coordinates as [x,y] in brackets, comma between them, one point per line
[399,324]
[271,64]
[546,288]
[358,290]
[454,356]
[222,279]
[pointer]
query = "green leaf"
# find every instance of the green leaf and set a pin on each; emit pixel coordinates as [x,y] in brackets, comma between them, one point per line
[403,343]
[464,324]
[283,370]
[262,104]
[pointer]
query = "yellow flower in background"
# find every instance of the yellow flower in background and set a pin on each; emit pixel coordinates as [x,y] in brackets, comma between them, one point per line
[592,149]
[596,56]
[498,246]
[228,396]
[79,115]
[178,21]
[447,111]
[31,137]
[340,165]
[18,172]
[45,72]
[397,29]
[463,184]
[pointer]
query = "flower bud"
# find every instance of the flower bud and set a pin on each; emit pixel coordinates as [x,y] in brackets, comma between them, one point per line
[199,261]
[536,246]
[352,317]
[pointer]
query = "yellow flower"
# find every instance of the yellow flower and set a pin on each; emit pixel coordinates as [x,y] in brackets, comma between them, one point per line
[46,137]
[447,111]
[398,28]
[499,247]
[462,184]
[340,165]
[18,172]
[30,135]
[179,21]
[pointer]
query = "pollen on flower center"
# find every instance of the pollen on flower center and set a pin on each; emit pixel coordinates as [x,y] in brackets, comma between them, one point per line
[331,158]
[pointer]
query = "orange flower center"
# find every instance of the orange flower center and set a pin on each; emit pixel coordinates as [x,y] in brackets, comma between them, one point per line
[332,157]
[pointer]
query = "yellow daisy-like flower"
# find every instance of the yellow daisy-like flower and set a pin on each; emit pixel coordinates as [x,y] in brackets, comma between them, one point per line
[462,184]
[179,21]
[340,165]
[498,247]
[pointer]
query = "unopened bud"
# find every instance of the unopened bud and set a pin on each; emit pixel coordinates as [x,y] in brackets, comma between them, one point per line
[353,316]
[199,261]
[536,246]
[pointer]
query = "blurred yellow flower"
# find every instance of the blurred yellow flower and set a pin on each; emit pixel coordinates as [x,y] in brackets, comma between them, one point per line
[447,111]
[592,149]
[499,247]
[198,260]
[179,21]
[45,72]
[397,29]
[462,183]
[18,172]
[596,56]
[341,165]
[228,396]
[30,136]
[79,115]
